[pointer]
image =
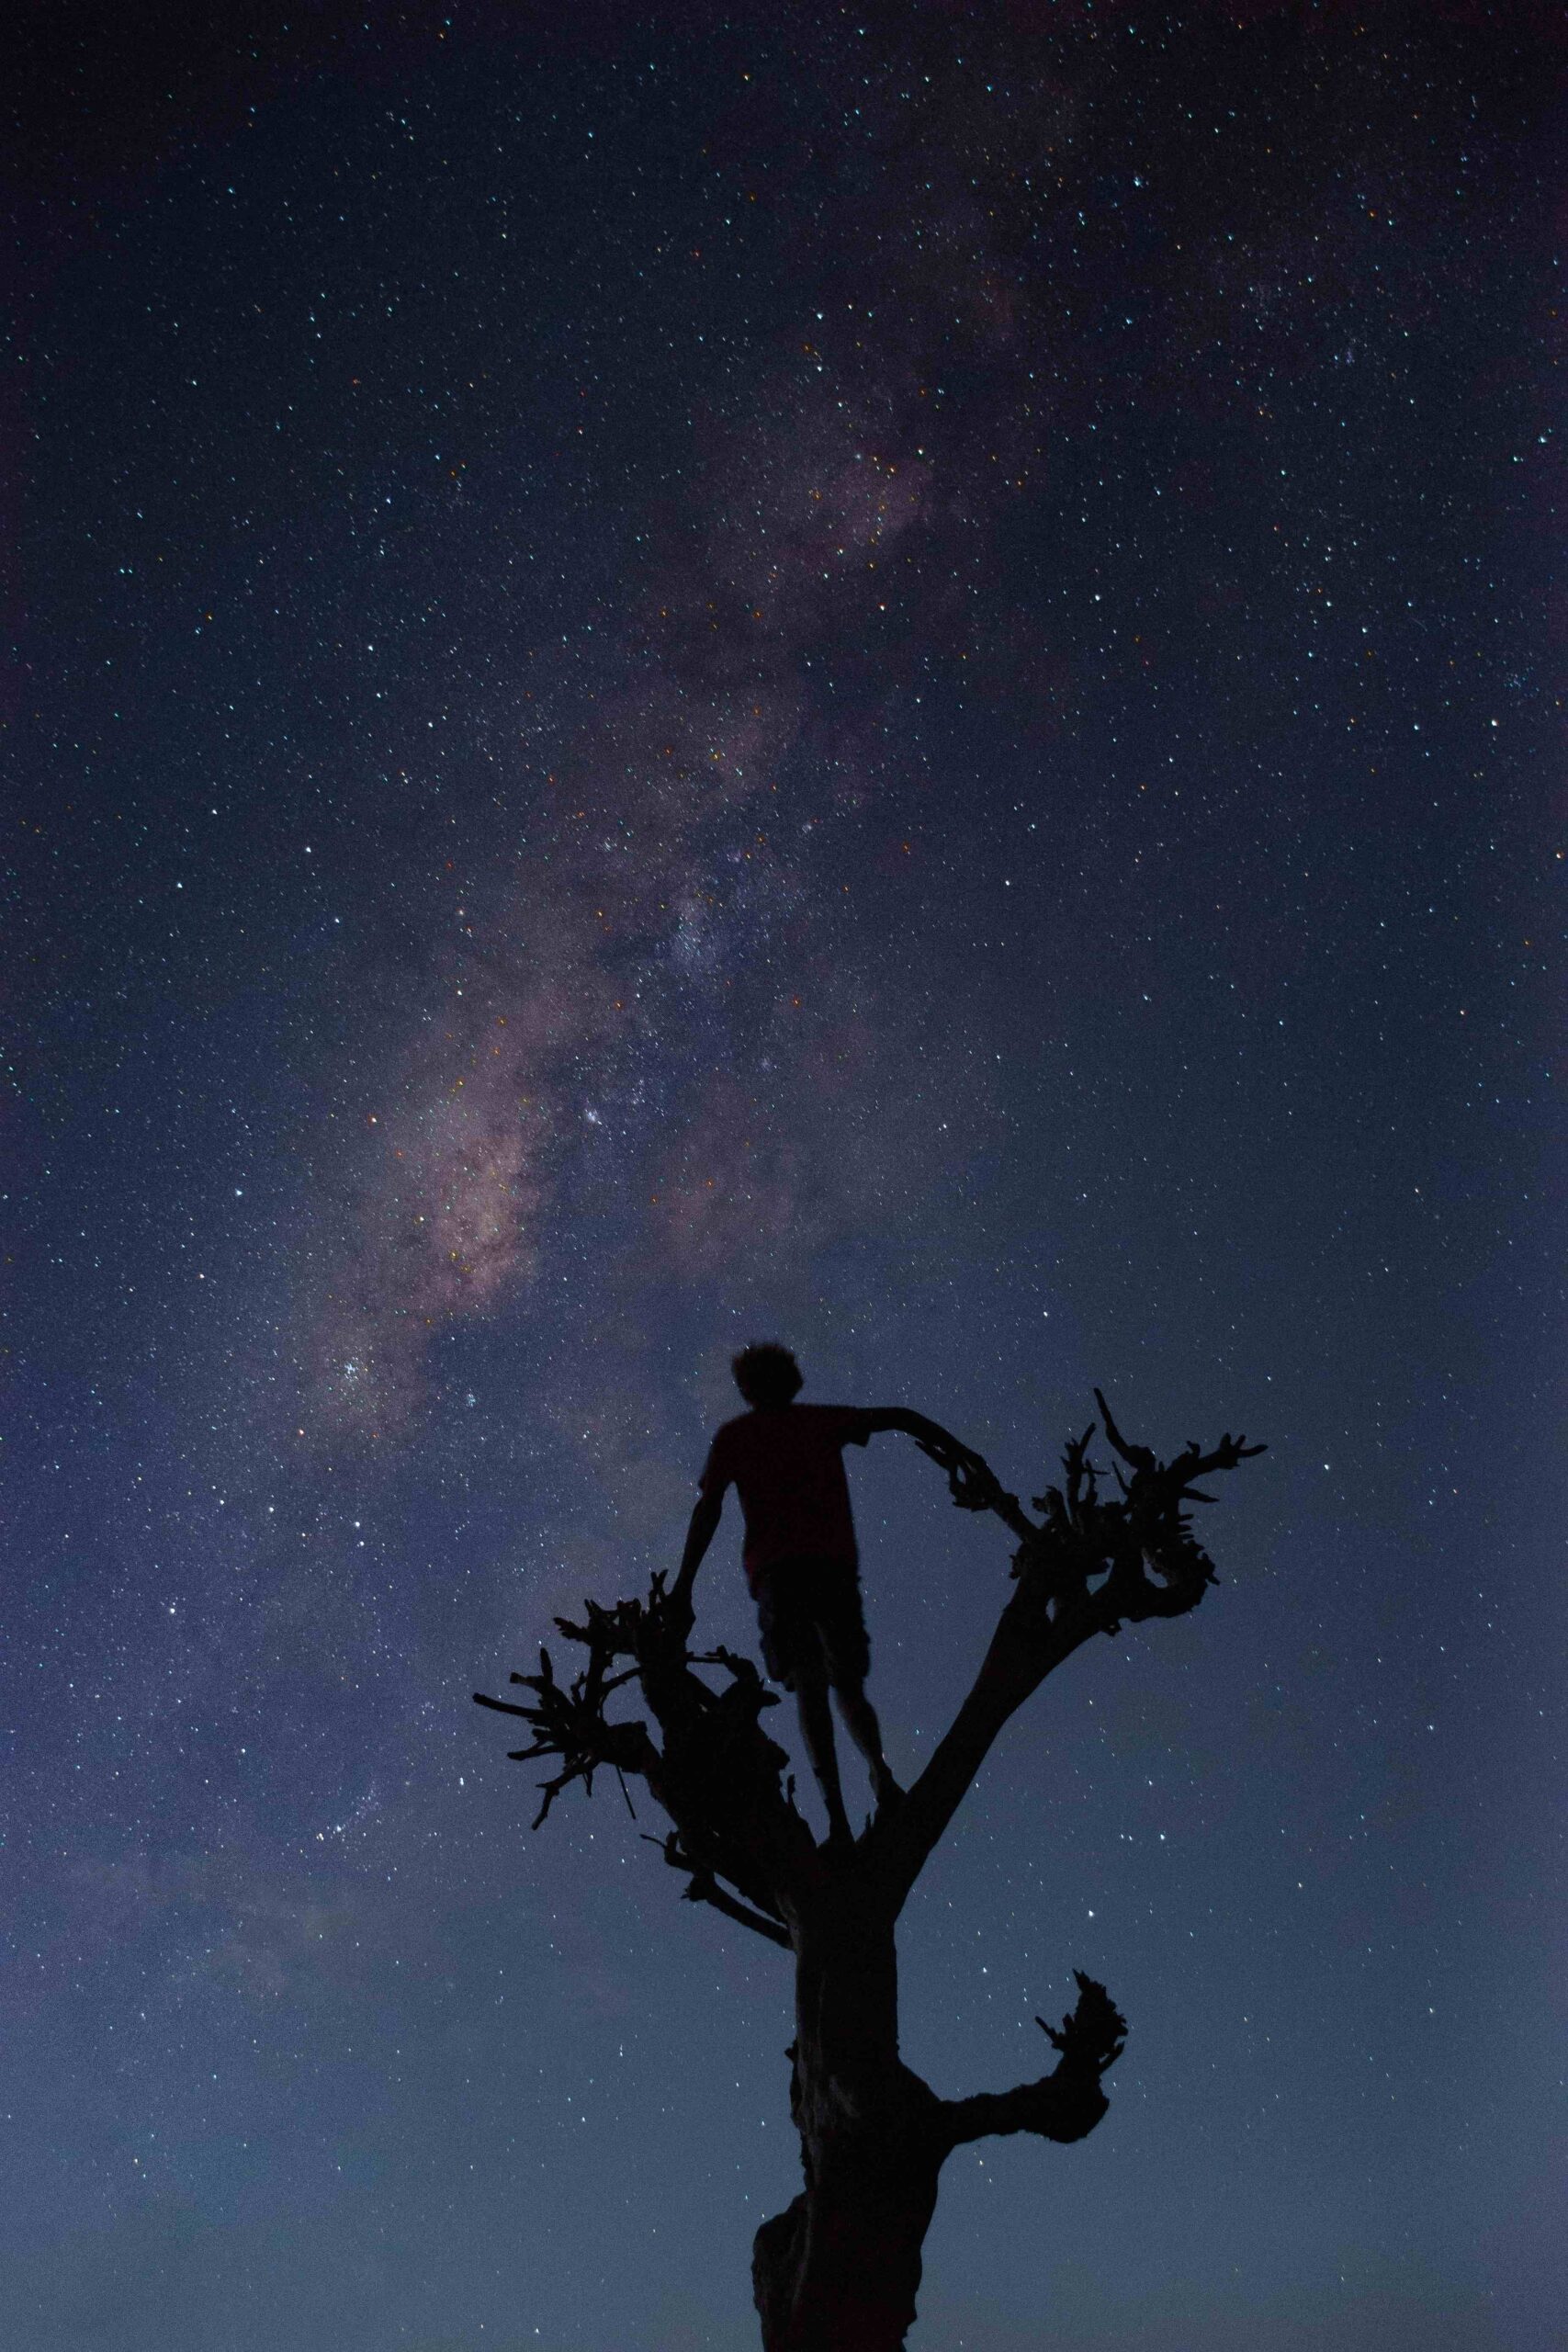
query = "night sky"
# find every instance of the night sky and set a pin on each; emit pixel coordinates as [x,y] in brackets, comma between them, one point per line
[880,677]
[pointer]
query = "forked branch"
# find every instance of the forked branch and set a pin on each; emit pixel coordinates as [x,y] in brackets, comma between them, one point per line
[1088,1565]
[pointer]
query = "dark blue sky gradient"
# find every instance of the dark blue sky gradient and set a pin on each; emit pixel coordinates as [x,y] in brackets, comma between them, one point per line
[881,677]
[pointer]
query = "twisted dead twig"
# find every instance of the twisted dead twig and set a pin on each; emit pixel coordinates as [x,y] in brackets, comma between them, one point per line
[703,1887]
[972,1482]
[1093,2034]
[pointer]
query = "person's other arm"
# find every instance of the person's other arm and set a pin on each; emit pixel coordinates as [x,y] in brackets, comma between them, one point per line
[699,1535]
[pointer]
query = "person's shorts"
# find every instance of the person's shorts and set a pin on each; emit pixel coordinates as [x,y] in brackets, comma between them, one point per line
[810,1611]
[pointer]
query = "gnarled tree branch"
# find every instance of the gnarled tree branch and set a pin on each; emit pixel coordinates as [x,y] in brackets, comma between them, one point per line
[1084,1568]
[1066,2103]
[717,1773]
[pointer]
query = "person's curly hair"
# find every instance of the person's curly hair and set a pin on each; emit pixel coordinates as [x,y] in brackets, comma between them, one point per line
[766,1373]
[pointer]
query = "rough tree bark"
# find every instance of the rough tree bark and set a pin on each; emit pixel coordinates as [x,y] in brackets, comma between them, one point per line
[840,2270]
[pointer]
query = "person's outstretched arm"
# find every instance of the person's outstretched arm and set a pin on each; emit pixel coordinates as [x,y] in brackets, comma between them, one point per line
[928,1435]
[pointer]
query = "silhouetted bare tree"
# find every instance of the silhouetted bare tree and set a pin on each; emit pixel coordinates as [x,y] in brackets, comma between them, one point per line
[838,2271]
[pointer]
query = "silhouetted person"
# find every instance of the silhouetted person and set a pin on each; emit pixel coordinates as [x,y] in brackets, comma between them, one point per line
[786,1463]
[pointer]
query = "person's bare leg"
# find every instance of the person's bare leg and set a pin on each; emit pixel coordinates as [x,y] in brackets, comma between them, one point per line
[860,1722]
[817,1730]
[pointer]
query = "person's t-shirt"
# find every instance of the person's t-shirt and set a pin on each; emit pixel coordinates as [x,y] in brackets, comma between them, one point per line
[785,1461]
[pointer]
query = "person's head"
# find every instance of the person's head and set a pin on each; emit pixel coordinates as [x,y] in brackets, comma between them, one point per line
[766,1373]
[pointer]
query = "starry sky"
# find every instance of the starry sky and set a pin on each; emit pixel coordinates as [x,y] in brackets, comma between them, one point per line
[882,676]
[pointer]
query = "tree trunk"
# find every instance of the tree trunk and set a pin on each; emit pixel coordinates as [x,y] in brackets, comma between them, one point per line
[838,2271]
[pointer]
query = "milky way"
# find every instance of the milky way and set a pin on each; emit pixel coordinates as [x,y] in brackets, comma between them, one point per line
[593,977]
